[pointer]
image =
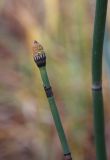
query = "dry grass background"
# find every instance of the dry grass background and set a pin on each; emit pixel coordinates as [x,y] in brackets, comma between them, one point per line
[26,127]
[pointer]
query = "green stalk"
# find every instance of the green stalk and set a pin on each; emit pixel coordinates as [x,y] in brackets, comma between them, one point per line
[54,111]
[98,38]
[40,60]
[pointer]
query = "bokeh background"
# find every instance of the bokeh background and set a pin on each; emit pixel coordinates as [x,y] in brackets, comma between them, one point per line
[65,29]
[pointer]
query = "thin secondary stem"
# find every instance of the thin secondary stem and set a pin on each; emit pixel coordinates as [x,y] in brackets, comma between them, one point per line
[40,60]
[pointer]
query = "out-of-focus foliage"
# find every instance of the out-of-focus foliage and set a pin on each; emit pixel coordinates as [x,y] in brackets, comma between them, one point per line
[65,29]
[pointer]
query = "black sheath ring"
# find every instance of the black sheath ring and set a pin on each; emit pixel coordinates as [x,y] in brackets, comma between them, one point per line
[96,87]
[68,156]
[48,91]
[40,59]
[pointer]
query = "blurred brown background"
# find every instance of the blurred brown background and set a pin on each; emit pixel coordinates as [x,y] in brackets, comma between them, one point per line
[65,29]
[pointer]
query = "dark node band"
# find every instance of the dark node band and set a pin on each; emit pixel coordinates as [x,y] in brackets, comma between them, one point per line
[97,87]
[48,91]
[40,59]
[68,156]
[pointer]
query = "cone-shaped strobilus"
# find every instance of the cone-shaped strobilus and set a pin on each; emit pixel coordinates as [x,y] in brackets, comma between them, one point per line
[98,37]
[40,60]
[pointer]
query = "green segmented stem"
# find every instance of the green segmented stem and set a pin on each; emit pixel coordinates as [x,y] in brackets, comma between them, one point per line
[55,113]
[98,38]
[40,60]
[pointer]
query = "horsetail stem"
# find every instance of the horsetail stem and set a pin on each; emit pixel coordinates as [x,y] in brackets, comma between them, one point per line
[98,38]
[40,60]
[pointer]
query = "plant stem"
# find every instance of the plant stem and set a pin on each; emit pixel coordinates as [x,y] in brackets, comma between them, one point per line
[40,60]
[98,38]
[54,111]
